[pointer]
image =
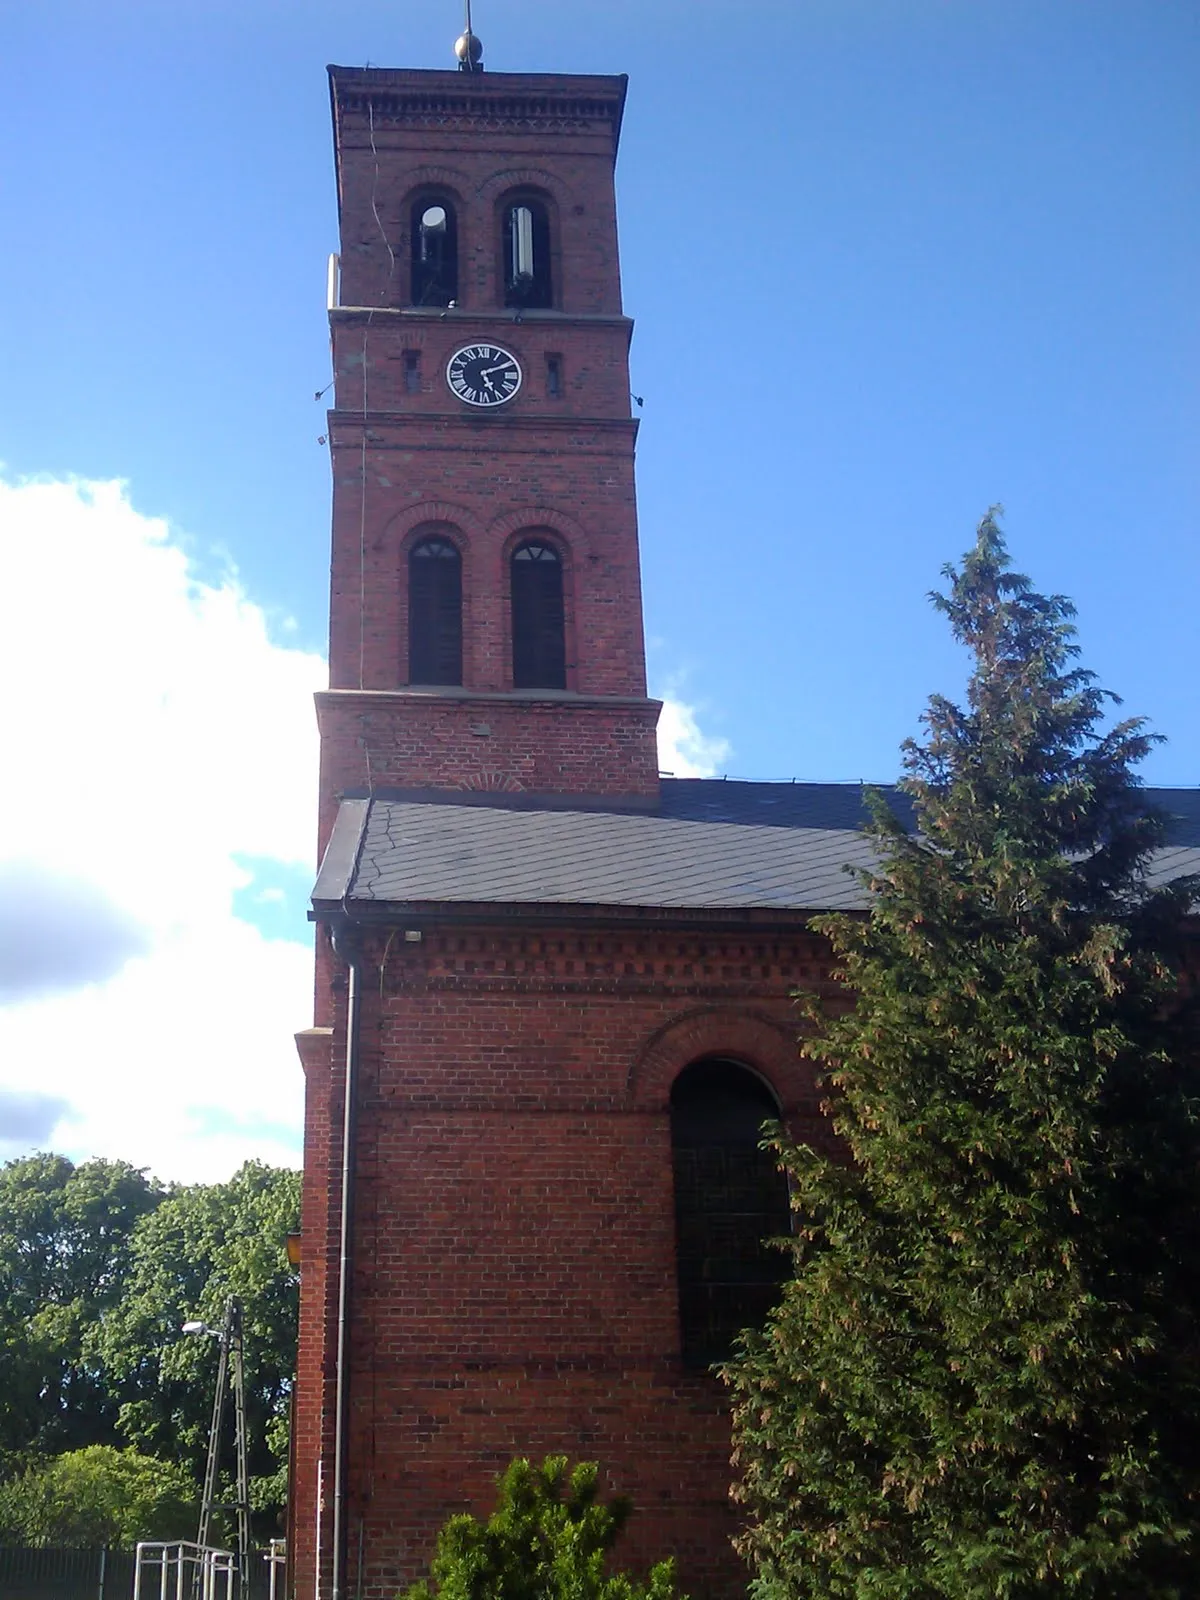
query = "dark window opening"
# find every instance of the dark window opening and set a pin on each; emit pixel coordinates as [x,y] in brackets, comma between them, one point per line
[434,253]
[527,255]
[730,1199]
[434,613]
[412,371]
[538,632]
[554,383]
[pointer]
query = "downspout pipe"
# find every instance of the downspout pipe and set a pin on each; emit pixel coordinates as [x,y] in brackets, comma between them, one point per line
[346,947]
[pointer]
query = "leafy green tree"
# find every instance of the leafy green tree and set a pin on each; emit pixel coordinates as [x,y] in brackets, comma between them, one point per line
[65,1235]
[201,1244]
[984,1377]
[98,1498]
[548,1539]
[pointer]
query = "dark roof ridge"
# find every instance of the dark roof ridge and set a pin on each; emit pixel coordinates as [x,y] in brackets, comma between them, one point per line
[796,804]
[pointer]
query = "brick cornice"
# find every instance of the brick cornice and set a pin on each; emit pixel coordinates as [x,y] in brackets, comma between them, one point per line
[559,698]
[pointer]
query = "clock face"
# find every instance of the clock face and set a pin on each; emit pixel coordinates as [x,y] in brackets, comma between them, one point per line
[483,374]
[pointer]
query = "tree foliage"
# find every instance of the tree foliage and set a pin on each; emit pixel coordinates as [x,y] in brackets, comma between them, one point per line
[65,1250]
[98,1498]
[99,1269]
[983,1379]
[200,1245]
[548,1539]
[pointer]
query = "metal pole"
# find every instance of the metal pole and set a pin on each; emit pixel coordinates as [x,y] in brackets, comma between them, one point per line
[214,1431]
[103,1564]
[320,1519]
[345,947]
[237,1350]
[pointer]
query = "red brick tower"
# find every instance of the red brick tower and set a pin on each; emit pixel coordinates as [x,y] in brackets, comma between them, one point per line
[444,180]
[552,993]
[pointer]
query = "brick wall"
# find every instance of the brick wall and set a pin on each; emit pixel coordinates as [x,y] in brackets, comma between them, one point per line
[431,740]
[514,1273]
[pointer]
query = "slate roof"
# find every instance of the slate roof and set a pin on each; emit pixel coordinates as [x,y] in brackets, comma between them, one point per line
[711,845]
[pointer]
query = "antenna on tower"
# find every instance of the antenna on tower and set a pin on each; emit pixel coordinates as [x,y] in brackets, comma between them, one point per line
[469,47]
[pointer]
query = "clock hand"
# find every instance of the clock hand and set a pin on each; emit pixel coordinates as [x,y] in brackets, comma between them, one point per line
[487,370]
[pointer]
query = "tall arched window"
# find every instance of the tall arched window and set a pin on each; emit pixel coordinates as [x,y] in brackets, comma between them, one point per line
[538,633]
[434,612]
[527,278]
[730,1198]
[434,232]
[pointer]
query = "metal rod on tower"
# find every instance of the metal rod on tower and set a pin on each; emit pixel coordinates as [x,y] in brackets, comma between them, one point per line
[469,47]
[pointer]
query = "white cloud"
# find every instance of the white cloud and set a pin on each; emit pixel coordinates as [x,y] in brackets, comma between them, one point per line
[683,750]
[154,732]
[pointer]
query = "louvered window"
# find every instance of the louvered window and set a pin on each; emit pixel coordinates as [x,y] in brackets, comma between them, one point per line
[730,1198]
[539,645]
[434,613]
[434,253]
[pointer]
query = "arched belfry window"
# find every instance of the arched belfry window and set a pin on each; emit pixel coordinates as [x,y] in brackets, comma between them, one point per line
[730,1199]
[538,633]
[434,232]
[434,612]
[527,277]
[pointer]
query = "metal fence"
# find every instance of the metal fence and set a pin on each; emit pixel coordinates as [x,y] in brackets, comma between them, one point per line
[65,1574]
[92,1574]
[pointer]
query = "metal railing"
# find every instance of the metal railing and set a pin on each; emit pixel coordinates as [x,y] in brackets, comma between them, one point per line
[180,1570]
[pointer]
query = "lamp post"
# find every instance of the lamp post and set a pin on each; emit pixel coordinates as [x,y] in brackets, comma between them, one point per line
[229,1336]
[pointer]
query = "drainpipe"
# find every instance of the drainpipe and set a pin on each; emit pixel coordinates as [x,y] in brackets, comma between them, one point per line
[346,948]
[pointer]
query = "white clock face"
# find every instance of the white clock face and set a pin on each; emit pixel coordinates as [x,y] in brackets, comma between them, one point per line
[483,374]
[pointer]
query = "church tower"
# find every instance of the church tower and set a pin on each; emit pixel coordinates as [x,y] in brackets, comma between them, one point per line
[553,989]
[486,624]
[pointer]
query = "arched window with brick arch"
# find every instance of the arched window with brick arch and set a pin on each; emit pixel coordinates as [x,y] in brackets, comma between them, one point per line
[435,611]
[525,242]
[730,1199]
[539,649]
[433,226]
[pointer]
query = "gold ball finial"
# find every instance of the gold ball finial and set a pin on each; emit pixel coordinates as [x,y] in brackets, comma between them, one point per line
[468,47]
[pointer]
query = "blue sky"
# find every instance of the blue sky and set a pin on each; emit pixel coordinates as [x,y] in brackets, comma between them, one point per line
[890,261]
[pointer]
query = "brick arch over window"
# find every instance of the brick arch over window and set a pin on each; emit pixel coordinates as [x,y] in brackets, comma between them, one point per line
[764,1044]
[514,178]
[731,1200]
[407,525]
[507,531]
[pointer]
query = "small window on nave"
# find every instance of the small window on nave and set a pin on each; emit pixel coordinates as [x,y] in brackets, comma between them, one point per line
[434,612]
[527,278]
[434,253]
[538,623]
[730,1199]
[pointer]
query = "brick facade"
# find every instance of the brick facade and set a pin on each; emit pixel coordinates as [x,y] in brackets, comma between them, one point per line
[513,1284]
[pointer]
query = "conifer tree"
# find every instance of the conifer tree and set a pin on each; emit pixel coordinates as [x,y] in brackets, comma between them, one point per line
[983,1379]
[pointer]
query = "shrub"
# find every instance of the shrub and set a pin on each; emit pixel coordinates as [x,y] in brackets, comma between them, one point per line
[547,1539]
